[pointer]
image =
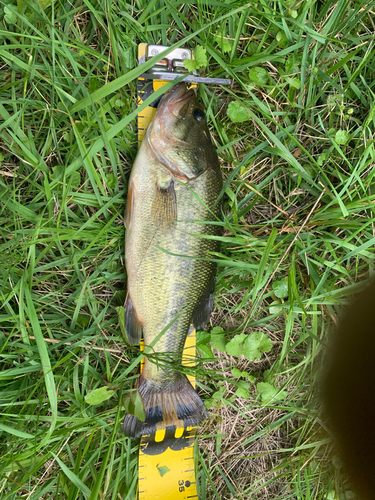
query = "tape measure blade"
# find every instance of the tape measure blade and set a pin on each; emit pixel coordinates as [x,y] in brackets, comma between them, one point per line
[168,475]
[165,473]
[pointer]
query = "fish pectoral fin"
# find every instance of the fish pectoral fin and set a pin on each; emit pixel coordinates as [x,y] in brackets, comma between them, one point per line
[203,310]
[164,206]
[133,325]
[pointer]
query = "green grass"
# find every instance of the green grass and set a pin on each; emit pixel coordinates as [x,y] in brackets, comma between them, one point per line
[298,203]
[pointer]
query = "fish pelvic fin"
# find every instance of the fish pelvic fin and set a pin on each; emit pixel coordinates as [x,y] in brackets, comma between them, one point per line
[133,325]
[175,405]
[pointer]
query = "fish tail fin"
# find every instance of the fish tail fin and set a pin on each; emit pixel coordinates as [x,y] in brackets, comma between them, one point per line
[165,406]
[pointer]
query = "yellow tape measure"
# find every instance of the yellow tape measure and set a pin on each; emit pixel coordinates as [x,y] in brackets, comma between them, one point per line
[166,459]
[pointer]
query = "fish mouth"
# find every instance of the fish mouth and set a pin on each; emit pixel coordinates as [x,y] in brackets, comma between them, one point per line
[177,95]
[180,105]
[179,91]
[187,94]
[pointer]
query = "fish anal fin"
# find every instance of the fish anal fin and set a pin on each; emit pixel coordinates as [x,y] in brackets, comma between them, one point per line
[164,206]
[174,405]
[203,310]
[133,326]
[129,206]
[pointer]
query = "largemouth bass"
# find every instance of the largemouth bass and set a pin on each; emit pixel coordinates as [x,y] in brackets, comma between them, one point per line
[173,188]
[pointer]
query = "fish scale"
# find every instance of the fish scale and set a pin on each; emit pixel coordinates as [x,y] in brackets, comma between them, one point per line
[179,280]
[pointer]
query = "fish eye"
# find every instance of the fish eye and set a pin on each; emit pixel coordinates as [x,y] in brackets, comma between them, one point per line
[199,115]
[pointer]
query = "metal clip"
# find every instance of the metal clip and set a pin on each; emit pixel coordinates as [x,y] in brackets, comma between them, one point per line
[172,67]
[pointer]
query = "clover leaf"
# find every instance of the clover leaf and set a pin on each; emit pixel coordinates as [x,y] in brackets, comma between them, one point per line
[280,288]
[242,392]
[275,307]
[269,392]
[236,373]
[259,76]
[218,395]
[342,137]
[217,339]
[237,112]
[251,346]
[200,59]
[224,44]
[111,181]
[256,343]
[235,346]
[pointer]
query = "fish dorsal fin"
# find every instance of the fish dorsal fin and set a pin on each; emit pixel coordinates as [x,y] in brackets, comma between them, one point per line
[129,206]
[164,206]
[133,326]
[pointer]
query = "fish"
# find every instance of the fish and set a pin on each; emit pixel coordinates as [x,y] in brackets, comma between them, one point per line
[172,221]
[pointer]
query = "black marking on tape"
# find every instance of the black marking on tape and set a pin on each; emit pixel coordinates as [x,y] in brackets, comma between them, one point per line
[146,88]
[189,470]
[150,447]
[193,496]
